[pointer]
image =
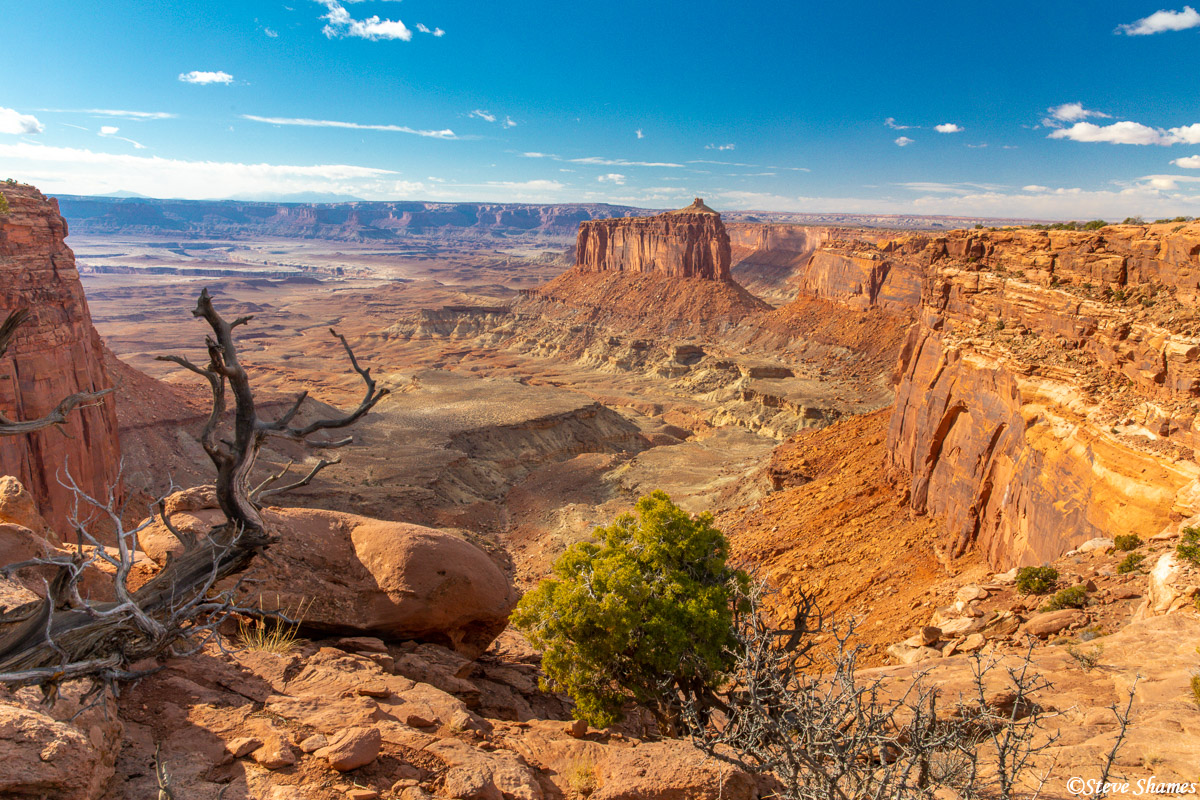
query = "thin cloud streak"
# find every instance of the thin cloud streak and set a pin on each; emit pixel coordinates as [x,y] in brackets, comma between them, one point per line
[329,123]
[112,112]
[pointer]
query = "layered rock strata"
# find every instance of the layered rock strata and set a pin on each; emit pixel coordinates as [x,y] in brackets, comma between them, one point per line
[1049,393]
[689,243]
[55,353]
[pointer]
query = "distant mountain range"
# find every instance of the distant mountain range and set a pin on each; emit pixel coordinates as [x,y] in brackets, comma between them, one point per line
[366,221]
[357,221]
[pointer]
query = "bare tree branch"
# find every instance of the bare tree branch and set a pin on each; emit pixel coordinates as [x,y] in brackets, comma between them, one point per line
[823,731]
[12,427]
[263,492]
[8,328]
[68,636]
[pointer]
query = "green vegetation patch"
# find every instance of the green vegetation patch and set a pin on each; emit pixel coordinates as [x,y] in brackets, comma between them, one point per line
[1036,580]
[641,614]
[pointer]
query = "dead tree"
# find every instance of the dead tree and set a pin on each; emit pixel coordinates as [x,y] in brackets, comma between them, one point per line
[797,709]
[12,427]
[68,636]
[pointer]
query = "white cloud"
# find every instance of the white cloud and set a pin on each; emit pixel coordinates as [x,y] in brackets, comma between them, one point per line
[896,126]
[616,162]
[17,124]
[1168,182]
[488,116]
[340,25]
[1129,133]
[438,32]
[1161,22]
[1190,162]
[329,123]
[612,177]
[202,78]
[904,141]
[597,161]
[947,127]
[639,133]
[1073,112]
[1140,197]
[720,147]
[112,112]
[272,33]
[110,132]
[82,171]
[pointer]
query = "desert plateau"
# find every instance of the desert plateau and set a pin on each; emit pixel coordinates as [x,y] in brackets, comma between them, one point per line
[870,473]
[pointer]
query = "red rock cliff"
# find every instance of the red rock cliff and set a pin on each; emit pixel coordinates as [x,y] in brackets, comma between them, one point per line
[56,352]
[688,243]
[1049,392]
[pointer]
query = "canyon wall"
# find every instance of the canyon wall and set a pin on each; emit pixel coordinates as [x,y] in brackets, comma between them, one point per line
[1049,391]
[354,221]
[689,243]
[55,353]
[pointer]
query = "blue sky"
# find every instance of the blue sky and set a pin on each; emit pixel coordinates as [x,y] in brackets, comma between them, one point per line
[1051,109]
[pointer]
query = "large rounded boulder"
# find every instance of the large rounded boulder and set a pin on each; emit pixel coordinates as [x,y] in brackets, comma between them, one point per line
[345,574]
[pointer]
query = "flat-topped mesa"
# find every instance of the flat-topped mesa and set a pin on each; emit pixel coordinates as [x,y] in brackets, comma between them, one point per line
[688,243]
[55,353]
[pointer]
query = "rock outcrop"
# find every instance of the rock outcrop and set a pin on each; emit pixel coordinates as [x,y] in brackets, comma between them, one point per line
[346,574]
[1048,392]
[688,243]
[55,353]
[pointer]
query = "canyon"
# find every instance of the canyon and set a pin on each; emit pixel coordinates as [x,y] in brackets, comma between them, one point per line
[886,420]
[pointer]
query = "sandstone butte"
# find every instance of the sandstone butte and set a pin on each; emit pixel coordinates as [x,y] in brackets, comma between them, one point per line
[56,353]
[670,269]
[689,243]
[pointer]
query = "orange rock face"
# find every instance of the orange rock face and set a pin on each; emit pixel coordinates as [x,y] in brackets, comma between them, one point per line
[56,352]
[688,243]
[1048,394]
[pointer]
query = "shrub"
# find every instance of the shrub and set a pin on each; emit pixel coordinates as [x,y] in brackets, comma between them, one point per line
[1036,580]
[1196,689]
[1130,563]
[1094,225]
[1188,548]
[1074,597]
[1085,660]
[581,778]
[642,614]
[3,205]
[1134,221]
[1127,541]
[269,635]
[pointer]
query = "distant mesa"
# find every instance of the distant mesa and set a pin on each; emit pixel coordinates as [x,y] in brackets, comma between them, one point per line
[688,243]
[697,207]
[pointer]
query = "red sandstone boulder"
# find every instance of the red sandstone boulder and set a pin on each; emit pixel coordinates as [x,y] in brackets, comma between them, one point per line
[17,507]
[58,751]
[670,770]
[351,575]
[352,748]
[1049,623]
